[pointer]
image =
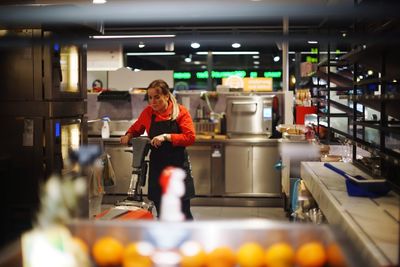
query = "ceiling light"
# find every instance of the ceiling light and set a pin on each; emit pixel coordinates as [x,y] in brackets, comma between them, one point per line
[277,58]
[132,36]
[141,45]
[344,34]
[370,72]
[197,62]
[236,45]
[99,1]
[312,42]
[256,67]
[203,67]
[169,46]
[256,57]
[195,45]
[256,62]
[229,53]
[151,54]
[188,59]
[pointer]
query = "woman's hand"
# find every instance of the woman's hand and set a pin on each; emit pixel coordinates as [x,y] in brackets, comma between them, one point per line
[158,140]
[125,139]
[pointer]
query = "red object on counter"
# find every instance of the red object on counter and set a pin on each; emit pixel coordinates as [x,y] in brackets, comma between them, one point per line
[139,214]
[302,111]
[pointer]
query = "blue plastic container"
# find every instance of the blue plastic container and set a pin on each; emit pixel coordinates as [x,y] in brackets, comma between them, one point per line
[359,186]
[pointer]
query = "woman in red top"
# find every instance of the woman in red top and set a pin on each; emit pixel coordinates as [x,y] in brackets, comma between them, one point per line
[170,128]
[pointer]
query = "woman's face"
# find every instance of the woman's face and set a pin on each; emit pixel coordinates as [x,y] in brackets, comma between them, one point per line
[157,100]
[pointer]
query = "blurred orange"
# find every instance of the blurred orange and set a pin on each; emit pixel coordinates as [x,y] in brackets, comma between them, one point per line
[137,254]
[193,254]
[221,257]
[251,254]
[81,244]
[279,254]
[107,251]
[335,256]
[311,254]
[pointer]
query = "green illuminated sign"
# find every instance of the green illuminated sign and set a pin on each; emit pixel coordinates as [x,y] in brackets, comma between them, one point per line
[314,50]
[182,75]
[220,74]
[272,74]
[225,74]
[312,59]
[253,74]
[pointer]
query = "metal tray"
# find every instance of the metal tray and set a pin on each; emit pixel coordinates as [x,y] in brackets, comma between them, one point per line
[211,234]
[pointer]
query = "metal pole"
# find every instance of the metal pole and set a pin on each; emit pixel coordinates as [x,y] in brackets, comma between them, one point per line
[285,57]
[209,70]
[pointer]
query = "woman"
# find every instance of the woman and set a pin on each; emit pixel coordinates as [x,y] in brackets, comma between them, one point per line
[170,128]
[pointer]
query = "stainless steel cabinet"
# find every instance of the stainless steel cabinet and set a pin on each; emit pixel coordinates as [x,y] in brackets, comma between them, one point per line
[238,169]
[201,168]
[249,170]
[207,159]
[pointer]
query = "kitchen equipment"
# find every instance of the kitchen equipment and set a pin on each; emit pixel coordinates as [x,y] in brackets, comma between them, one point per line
[360,186]
[250,115]
[134,207]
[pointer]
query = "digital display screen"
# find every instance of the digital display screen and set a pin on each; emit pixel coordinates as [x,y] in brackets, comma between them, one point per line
[58,129]
[267,113]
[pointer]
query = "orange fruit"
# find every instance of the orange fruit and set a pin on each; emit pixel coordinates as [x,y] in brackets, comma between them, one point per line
[251,254]
[193,254]
[137,254]
[221,257]
[335,256]
[311,254]
[107,251]
[279,254]
[81,244]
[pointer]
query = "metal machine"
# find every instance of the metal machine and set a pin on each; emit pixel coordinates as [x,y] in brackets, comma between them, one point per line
[134,207]
[250,115]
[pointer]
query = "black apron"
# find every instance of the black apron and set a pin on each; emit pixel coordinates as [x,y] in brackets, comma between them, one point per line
[167,155]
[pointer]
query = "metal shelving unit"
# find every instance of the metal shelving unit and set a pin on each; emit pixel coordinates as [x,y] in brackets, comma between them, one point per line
[372,108]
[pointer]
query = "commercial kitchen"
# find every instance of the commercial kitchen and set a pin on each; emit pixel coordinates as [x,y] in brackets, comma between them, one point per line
[295,108]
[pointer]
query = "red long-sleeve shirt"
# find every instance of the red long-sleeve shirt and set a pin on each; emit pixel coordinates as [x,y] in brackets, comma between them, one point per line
[184,120]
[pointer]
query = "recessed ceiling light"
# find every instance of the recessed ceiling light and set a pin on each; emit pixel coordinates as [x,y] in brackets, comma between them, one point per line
[132,36]
[277,58]
[312,42]
[236,45]
[370,72]
[256,62]
[256,67]
[229,53]
[256,57]
[188,59]
[151,54]
[141,45]
[99,1]
[197,62]
[195,45]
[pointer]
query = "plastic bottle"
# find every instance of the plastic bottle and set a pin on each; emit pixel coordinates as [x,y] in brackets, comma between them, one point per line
[105,129]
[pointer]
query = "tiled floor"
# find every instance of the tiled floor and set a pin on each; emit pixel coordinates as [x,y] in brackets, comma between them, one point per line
[211,213]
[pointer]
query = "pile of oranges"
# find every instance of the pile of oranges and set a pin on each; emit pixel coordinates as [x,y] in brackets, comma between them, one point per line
[108,251]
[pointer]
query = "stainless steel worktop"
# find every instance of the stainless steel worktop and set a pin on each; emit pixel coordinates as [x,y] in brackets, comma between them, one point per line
[371,224]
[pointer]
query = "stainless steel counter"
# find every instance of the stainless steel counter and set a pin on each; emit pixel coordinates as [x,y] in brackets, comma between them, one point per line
[236,168]
[371,224]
